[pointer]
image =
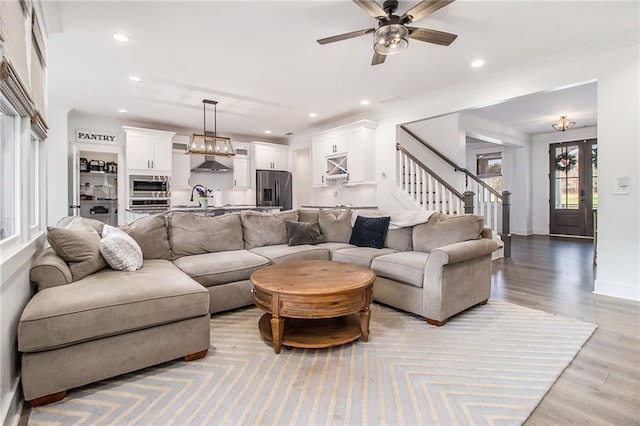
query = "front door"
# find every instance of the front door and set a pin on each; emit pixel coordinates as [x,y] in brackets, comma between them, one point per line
[573,194]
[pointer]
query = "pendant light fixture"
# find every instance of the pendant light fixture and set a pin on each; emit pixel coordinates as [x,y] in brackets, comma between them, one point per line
[563,124]
[210,143]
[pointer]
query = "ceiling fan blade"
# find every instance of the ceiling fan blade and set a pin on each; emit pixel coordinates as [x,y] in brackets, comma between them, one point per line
[422,9]
[378,58]
[372,8]
[431,36]
[346,36]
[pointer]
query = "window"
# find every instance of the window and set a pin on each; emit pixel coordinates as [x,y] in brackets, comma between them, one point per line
[34,184]
[9,169]
[489,169]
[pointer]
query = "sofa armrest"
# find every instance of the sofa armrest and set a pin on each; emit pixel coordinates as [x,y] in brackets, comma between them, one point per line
[465,250]
[49,270]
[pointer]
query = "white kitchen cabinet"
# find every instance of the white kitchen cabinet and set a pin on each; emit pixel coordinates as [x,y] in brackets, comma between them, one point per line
[345,154]
[180,169]
[336,143]
[241,172]
[361,155]
[148,151]
[319,161]
[270,156]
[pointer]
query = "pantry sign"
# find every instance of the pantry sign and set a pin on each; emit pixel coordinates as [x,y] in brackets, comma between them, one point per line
[96,136]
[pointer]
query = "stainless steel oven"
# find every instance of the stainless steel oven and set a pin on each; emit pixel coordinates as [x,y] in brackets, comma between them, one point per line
[149,186]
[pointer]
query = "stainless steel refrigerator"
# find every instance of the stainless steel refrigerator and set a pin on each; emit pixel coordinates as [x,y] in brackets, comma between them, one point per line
[273,188]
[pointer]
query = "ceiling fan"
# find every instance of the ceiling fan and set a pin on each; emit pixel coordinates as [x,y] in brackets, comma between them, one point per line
[391,35]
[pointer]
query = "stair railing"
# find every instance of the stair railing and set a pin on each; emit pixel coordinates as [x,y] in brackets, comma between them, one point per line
[424,187]
[478,198]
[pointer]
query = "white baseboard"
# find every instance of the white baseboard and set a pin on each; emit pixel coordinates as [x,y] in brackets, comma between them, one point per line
[12,406]
[614,289]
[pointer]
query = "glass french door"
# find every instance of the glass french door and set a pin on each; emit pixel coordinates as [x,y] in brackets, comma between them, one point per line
[574,191]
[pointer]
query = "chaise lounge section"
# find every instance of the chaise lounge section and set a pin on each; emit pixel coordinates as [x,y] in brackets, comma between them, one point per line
[88,322]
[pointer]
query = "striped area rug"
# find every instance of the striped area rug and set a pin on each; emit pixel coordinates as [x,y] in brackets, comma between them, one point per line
[490,365]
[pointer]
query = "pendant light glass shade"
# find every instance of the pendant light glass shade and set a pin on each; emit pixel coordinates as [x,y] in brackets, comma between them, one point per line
[209,143]
[391,39]
[563,124]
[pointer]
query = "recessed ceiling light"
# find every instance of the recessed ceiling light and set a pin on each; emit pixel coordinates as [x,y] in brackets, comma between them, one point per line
[313,114]
[364,102]
[268,132]
[135,78]
[477,63]
[122,110]
[121,37]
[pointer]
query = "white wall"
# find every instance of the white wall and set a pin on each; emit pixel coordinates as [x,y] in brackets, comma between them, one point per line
[616,71]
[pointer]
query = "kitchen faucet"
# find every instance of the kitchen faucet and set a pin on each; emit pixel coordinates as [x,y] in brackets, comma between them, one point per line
[194,188]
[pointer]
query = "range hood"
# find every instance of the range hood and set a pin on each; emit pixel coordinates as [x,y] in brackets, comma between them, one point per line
[210,164]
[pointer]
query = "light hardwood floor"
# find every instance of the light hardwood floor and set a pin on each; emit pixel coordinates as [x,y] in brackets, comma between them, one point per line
[602,384]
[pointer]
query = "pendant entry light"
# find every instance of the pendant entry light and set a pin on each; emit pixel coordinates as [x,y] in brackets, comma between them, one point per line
[563,124]
[210,143]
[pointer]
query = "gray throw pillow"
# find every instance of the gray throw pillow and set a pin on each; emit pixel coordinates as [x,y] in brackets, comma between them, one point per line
[304,233]
[80,248]
[335,225]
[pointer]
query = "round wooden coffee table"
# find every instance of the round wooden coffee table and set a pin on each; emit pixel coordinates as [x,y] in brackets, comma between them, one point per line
[325,303]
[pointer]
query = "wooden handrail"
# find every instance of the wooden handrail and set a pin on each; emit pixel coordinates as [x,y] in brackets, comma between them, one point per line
[431,172]
[457,168]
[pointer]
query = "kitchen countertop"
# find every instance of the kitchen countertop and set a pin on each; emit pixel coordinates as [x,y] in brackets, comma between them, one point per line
[340,206]
[197,209]
[225,207]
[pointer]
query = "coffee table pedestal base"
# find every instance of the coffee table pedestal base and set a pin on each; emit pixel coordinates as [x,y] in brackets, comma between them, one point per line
[313,333]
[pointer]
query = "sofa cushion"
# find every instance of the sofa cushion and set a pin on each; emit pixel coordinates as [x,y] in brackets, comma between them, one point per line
[265,229]
[335,225]
[310,216]
[108,303]
[80,248]
[369,231]
[400,239]
[406,267]
[151,235]
[79,222]
[332,247]
[284,253]
[192,234]
[120,251]
[360,255]
[49,270]
[442,230]
[221,268]
[300,233]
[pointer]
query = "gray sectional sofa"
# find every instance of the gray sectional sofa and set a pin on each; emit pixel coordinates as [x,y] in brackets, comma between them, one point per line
[88,322]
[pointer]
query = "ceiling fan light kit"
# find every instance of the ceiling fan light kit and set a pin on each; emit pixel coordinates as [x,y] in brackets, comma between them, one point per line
[209,143]
[392,35]
[391,39]
[563,124]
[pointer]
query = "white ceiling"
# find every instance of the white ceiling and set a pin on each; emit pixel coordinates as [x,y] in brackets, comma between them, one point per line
[260,60]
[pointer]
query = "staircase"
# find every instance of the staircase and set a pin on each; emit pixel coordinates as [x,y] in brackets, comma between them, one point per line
[428,191]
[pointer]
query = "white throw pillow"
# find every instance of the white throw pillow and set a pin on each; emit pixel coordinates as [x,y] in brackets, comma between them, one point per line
[120,251]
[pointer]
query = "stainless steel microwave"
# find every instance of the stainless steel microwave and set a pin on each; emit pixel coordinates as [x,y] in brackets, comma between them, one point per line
[149,186]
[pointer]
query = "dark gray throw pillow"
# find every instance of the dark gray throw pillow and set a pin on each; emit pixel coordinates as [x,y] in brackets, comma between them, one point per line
[369,231]
[304,233]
